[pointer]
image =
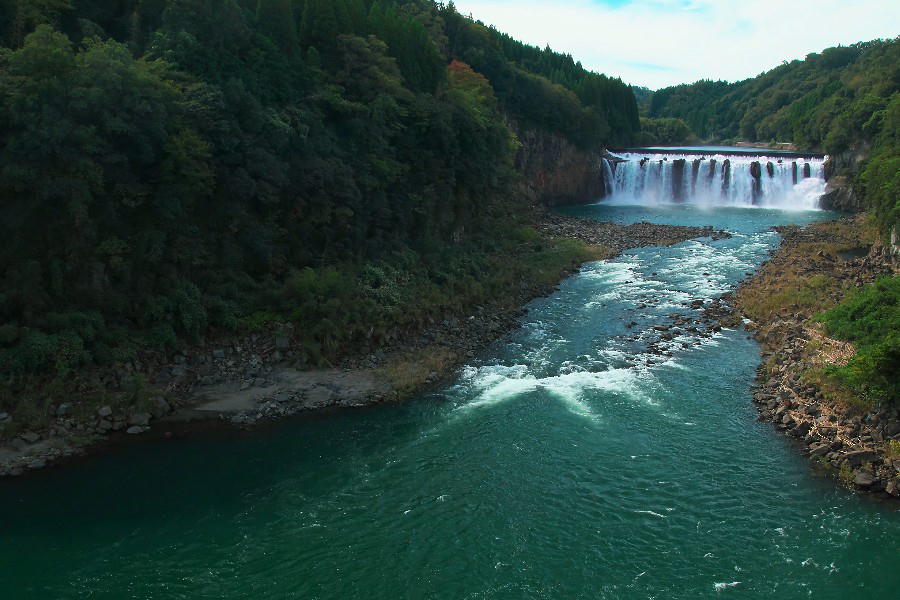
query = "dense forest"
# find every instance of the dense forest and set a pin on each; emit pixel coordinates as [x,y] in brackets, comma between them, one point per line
[172,168]
[844,101]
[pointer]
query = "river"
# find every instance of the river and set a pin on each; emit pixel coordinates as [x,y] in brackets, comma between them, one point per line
[563,462]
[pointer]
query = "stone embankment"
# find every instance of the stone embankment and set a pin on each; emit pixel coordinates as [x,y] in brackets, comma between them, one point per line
[857,442]
[250,379]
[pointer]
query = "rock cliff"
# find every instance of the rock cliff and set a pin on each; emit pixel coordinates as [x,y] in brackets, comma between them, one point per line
[555,171]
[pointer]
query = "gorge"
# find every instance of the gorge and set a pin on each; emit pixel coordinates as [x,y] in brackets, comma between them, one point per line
[616,424]
[370,299]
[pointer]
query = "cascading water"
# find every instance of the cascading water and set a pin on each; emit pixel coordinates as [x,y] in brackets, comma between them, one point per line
[608,177]
[717,180]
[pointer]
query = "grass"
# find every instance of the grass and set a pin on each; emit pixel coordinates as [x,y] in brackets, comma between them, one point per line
[845,475]
[892,450]
[793,294]
[411,372]
[836,392]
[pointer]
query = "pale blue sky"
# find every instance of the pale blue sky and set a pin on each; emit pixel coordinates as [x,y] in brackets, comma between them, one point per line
[664,42]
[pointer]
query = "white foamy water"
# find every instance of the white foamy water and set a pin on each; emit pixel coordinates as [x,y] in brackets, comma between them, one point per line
[494,384]
[718,180]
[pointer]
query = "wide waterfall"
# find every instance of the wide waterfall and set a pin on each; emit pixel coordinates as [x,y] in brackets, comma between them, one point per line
[734,179]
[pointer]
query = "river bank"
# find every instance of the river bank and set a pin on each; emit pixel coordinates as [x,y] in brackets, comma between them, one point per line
[814,269]
[250,379]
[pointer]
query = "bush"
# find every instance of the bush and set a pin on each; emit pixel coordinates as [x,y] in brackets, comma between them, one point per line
[871,319]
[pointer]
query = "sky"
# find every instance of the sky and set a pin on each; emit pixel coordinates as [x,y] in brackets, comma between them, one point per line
[657,43]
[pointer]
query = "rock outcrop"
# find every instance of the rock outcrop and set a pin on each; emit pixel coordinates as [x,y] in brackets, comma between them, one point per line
[556,172]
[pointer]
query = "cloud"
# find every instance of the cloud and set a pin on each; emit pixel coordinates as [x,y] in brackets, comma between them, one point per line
[657,43]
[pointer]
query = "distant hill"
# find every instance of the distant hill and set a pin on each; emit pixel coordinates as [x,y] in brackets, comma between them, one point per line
[844,101]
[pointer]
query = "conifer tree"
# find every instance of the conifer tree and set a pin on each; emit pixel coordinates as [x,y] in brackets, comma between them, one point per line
[276,18]
[320,25]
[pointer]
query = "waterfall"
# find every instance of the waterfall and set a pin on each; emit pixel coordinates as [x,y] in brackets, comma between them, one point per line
[608,178]
[714,179]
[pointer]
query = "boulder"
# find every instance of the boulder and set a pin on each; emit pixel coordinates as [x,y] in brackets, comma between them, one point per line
[801,430]
[859,457]
[864,479]
[64,409]
[30,437]
[893,487]
[819,450]
[135,429]
[140,419]
[160,407]
[105,412]
[755,170]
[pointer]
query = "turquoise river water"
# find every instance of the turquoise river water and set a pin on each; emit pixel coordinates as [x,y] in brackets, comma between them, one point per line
[563,462]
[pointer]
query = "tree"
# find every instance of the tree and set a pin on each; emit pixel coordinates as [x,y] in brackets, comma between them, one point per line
[320,25]
[276,18]
[31,13]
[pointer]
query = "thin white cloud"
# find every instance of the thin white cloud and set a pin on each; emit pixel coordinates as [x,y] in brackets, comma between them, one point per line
[664,42]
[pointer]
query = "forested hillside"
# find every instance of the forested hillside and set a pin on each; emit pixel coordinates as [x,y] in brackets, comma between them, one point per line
[175,167]
[844,101]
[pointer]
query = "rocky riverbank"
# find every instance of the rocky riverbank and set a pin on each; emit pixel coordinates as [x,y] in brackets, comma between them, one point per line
[251,379]
[812,270]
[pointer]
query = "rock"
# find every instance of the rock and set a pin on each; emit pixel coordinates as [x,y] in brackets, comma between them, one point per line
[855,459]
[218,353]
[662,327]
[4,417]
[140,419]
[801,430]
[64,409]
[820,450]
[160,407]
[864,479]
[318,397]
[105,412]
[38,463]
[755,170]
[104,425]
[893,487]
[135,429]
[30,437]
[282,341]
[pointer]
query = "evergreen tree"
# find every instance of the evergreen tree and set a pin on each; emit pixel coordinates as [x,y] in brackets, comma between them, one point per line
[276,18]
[320,25]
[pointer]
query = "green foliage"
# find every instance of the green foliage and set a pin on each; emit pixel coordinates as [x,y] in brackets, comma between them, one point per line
[665,132]
[870,319]
[824,102]
[171,168]
[543,89]
[881,174]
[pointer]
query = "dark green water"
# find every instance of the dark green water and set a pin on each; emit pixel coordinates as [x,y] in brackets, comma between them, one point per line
[561,464]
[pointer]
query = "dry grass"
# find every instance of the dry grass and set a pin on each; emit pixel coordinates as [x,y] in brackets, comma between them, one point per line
[803,279]
[787,292]
[824,351]
[411,372]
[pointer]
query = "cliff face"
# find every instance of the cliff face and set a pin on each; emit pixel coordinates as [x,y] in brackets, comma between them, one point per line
[840,193]
[556,172]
